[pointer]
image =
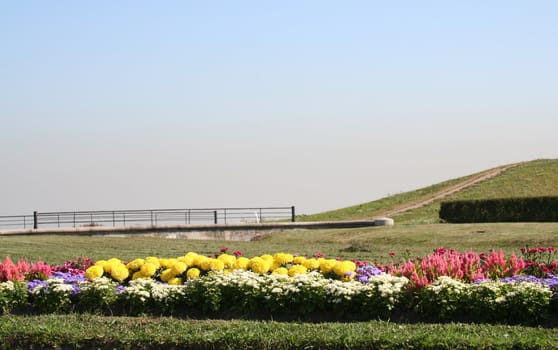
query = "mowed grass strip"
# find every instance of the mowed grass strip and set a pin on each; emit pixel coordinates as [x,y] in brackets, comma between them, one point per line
[93,332]
[369,244]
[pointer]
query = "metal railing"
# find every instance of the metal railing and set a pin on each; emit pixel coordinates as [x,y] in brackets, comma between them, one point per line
[16,221]
[152,217]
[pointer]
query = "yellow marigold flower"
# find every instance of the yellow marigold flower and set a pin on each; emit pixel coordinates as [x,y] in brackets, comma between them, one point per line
[274,266]
[148,269]
[167,263]
[281,271]
[268,258]
[137,275]
[93,272]
[343,267]
[199,260]
[192,273]
[299,260]
[179,267]
[283,258]
[119,272]
[227,259]
[259,265]
[104,264]
[189,261]
[216,265]
[153,260]
[311,264]
[163,262]
[175,281]
[205,264]
[241,263]
[297,270]
[167,275]
[114,261]
[135,264]
[326,265]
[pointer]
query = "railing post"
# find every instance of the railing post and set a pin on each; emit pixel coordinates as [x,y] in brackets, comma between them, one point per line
[35,223]
[293,217]
[215,216]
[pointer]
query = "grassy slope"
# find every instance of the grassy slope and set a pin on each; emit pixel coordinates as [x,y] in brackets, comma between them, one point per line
[534,178]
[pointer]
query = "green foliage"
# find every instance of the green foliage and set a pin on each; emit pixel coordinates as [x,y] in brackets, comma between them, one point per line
[508,302]
[13,295]
[489,301]
[98,296]
[52,296]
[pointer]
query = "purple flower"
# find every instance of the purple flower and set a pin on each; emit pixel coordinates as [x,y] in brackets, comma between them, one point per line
[551,281]
[31,285]
[363,273]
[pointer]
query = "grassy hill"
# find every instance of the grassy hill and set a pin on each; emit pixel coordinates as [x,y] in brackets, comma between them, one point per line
[533,178]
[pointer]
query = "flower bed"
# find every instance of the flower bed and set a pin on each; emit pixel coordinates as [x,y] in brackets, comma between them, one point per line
[445,285]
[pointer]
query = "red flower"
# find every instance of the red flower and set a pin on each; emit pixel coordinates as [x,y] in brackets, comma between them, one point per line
[551,249]
[391,254]
[237,253]
[224,249]
[441,251]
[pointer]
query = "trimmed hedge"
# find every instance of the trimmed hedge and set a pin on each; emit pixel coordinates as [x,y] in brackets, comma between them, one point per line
[529,209]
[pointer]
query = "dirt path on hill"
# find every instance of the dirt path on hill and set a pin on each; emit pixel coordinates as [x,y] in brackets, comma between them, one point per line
[450,190]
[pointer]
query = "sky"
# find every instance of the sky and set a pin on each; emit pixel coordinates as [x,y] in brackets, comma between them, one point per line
[113,105]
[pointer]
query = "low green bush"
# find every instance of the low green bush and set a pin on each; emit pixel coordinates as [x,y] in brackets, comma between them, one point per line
[529,209]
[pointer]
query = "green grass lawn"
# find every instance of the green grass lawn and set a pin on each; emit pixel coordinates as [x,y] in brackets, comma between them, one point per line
[96,332]
[371,244]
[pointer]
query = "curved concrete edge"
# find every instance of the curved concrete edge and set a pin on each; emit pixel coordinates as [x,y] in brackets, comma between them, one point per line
[101,230]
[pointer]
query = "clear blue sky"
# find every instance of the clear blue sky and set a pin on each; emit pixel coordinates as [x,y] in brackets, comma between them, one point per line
[317,104]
